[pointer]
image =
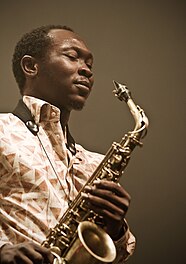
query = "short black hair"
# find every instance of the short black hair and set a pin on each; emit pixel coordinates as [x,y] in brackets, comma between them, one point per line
[34,43]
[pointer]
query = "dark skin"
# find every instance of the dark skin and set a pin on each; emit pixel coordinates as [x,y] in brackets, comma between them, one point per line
[65,79]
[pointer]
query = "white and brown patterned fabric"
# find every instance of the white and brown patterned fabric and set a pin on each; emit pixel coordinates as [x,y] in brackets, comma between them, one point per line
[38,175]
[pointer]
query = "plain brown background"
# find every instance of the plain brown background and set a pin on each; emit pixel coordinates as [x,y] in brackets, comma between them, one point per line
[142,44]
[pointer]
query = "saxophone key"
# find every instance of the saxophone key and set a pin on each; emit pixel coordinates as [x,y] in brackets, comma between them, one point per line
[74,213]
[108,172]
[83,206]
[62,232]
[117,158]
[65,226]
[103,174]
[63,240]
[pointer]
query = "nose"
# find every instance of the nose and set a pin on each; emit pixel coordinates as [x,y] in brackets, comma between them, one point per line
[85,70]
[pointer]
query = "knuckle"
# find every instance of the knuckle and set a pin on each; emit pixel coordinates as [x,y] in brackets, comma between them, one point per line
[38,258]
[130,198]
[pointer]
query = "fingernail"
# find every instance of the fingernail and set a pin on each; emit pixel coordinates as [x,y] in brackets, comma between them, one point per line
[85,195]
[97,181]
[88,188]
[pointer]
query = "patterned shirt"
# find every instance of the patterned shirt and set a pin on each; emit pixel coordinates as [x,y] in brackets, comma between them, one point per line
[39,175]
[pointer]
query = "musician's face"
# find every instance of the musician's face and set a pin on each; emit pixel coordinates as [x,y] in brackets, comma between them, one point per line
[65,75]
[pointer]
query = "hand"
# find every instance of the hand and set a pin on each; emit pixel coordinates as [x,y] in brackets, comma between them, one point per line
[111,201]
[25,253]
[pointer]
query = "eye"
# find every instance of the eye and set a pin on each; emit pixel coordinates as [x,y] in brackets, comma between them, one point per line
[89,65]
[71,55]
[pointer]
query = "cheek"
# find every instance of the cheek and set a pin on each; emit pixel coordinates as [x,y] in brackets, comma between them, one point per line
[59,66]
[60,75]
[92,80]
[64,66]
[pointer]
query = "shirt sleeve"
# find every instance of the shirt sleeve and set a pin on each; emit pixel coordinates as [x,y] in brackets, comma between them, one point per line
[125,246]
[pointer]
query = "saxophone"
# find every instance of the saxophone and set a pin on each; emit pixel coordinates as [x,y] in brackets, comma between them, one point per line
[79,236]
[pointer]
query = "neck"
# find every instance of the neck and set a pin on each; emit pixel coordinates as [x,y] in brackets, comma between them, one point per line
[65,115]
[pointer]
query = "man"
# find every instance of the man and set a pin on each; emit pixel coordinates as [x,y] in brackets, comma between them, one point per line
[41,167]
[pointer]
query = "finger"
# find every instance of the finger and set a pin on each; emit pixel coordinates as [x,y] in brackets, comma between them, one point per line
[106,214]
[29,256]
[22,259]
[35,256]
[36,253]
[103,204]
[112,186]
[46,253]
[109,196]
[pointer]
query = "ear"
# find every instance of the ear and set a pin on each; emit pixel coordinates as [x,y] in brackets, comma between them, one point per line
[29,66]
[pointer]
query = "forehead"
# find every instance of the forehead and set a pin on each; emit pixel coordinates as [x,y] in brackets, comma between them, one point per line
[67,39]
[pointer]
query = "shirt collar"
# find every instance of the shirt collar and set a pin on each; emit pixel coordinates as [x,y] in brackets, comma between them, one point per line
[45,112]
[42,110]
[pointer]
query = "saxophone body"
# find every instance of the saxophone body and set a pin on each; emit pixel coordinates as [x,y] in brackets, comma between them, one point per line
[79,236]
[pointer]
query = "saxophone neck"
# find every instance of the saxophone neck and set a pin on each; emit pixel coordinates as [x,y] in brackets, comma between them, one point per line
[141,121]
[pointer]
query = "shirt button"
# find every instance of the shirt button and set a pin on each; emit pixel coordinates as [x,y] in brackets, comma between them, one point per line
[53,114]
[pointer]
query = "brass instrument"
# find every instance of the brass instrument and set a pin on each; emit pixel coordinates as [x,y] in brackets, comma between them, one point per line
[78,238]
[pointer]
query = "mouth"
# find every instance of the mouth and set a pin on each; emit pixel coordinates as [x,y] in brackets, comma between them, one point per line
[84,83]
[83,86]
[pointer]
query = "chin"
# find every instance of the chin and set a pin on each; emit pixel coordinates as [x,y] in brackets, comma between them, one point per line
[78,106]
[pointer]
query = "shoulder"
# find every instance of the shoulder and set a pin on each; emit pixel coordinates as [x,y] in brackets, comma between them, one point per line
[11,127]
[7,119]
[6,122]
[9,122]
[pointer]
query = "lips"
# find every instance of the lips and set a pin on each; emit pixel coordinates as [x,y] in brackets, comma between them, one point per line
[84,87]
[83,83]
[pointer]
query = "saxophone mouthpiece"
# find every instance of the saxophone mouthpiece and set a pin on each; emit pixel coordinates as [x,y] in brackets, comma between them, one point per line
[121,91]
